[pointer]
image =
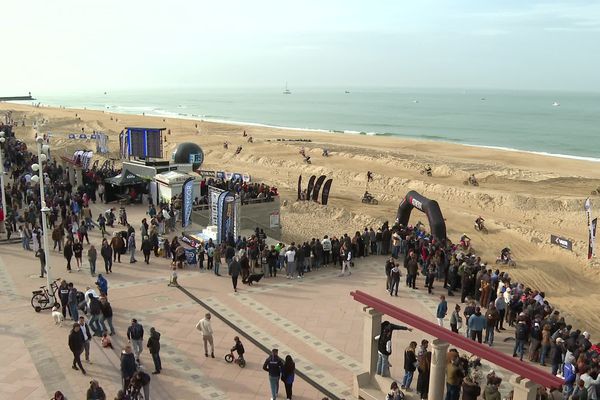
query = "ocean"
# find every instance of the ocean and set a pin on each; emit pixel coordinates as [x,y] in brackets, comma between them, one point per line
[562,124]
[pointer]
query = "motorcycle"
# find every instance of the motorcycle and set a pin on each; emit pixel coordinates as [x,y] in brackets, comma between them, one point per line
[506,261]
[426,171]
[307,160]
[481,228]
[370,200]
[472,182]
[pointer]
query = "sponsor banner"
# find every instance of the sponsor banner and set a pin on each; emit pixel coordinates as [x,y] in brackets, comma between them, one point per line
[592,250]
[326,189]
[213,204]
[317,187]
[311,185]
[299,187]
[416,203]
[588,211]
[187,199]
[206,173]
[274,219]
[561,242]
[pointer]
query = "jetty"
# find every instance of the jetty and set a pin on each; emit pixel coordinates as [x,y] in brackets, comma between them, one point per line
[17,98]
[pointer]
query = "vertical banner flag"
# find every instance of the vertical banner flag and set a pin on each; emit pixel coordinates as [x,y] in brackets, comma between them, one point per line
[318,184]
[593,237]
[187,191]
[299,186]
[588,212]
[311,184]
[325,195]
[221,233]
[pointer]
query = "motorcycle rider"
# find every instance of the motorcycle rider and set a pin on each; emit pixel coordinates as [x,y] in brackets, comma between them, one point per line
[505,254]
[472,180]
[367,195]
[479,222]
[465,241]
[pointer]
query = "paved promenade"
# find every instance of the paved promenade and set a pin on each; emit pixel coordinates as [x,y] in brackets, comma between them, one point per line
[313,319]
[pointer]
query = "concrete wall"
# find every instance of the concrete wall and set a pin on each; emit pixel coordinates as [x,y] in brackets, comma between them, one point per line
[252,216]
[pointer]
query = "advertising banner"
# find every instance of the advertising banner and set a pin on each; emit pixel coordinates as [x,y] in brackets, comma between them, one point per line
[326,189]
[561,242]
[274,219]
[592,250]
[299,187]
[187,191]
[317,188]
[588,212]
[213,204]
[311,185]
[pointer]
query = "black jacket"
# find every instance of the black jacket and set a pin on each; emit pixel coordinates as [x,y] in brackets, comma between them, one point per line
[135,332]
[106,252]
[106,310]
[410,360]
[154,343]
[128,366]
[95,306]
[273,366]
[76,342]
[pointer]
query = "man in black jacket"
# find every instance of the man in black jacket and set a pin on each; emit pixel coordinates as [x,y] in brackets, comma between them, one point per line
[128,366]
[273,364]
[154,348]
[107,255]
[76,346]
[95,312]
[135,335]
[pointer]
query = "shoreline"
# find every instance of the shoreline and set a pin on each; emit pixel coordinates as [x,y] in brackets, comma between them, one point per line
[417,140]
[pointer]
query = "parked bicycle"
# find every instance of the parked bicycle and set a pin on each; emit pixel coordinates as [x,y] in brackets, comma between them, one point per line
[41,299]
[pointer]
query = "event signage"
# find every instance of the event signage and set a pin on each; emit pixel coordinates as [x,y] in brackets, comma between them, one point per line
[188,196]
[588,212]
[416,203]
[196,158]
[561,242]
[274,219]
[592,249]
[317,188]
[213,204]
[72,136]
[326,189]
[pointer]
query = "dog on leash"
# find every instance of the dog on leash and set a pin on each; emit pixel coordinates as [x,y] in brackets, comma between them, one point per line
[57,316]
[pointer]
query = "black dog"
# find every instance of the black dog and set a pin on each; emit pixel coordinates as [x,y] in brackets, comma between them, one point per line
[252,278]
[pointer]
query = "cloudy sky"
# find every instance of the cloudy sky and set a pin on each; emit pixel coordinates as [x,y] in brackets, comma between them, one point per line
[59,46]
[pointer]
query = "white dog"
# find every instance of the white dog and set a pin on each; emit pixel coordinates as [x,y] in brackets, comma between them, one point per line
[57,316]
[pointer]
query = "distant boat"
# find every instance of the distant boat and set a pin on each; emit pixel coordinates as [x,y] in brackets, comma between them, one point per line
[286,91]
[415,101]
[347,91]
[556,104]
[483,99]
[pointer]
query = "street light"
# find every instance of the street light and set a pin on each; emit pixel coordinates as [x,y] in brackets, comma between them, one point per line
[2,140]
[40,178]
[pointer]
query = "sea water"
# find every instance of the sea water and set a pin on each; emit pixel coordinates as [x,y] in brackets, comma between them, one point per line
[558,123]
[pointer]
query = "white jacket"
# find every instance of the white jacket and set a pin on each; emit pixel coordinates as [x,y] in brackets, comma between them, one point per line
[204,327]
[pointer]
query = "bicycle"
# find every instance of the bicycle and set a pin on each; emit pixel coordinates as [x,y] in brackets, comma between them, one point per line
[230,358]
[40,300]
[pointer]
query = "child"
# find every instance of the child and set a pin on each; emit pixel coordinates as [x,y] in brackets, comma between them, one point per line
[106,342]
[238,347]
[173,280]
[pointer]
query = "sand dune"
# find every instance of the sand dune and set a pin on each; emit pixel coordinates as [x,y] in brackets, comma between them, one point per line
[524,197]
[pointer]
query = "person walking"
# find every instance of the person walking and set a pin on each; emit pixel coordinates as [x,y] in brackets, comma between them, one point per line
[491,318]
[107,315]
[107,255]
[217,260]
[287,375]
[146,249]
[476,324]
[234,270]
[273,365]
[290,258]
[205,327]
[92,255]
[154,348]
[86,334]
[76,346]
[73,303]
[442,310]
[78,253]
[346,257]
[128,366]
[63,292]
[410,365]
[68,253]
[117,245]
[135,335]
[521,338]
[455,319]
[394,279]
[131,248]
[95,392]
[96,313]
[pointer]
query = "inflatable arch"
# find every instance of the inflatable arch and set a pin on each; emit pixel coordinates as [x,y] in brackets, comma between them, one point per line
[430,207]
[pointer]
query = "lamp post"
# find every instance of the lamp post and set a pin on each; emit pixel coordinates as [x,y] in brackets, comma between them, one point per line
[4,208]
[42,150]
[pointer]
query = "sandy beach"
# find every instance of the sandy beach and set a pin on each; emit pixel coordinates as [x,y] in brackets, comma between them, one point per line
[523,197]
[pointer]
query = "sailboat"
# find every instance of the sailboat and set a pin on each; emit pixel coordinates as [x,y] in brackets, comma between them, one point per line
[556,104]
[286,91]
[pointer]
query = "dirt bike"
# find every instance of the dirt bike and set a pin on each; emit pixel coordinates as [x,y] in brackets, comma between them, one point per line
[481,228]
[370,200]
[471,182]
[596,192]
[506,261]
[426,172]
[307,160]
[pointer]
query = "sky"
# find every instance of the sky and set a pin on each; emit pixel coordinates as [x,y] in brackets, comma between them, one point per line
[60,46]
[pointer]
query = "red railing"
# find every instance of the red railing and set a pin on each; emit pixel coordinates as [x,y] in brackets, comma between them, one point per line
[483,351]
